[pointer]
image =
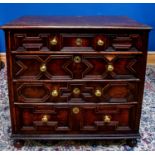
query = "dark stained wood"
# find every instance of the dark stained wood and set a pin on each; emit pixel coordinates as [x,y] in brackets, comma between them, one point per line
[132,142]
[106,22]
[92,67]
[75,136]
[76,112]
[62,119]
[112,41]
[112,92]
[18,144]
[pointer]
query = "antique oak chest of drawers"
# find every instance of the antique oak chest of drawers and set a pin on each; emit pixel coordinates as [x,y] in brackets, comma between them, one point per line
[76,77]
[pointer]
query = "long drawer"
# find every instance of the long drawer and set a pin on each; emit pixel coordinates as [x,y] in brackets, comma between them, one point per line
[48,41]
[77,66]
[76,92]
[75,119]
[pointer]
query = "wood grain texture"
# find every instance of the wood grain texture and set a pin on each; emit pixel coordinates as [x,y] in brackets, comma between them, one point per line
[74,22]
[112,92]
[87,81]
[111,41]
[61,119]
[62,66]
[150,57]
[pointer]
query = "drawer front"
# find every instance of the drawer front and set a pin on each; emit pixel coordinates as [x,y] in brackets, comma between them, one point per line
[76,66]
[75,119]
[108,118]
[46,41]
[43,119]
[76,92]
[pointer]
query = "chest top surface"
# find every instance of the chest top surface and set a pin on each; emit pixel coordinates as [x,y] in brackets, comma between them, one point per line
[75,22]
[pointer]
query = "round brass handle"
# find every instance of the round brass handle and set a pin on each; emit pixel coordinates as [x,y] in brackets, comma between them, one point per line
[44,119]
[107,119]
[78,41]
[110,68]
[54,41]
[76,91]
[43,68]
[98,93]
[77,59]
[54,93]
[76,110]
[100,42]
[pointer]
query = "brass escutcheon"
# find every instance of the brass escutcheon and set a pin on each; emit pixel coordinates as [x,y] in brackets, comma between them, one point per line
[76,110]
[76,91]
[77,59]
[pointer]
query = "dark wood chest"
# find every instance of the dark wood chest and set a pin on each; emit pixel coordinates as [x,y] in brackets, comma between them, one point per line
[76,77]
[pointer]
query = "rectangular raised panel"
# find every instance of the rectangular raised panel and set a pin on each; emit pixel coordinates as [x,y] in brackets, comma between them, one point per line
[65,67]
[30,119]
[112,92]
[93,118]
[31,41]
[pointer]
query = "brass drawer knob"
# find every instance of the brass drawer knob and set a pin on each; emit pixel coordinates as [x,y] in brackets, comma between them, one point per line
[54,41]
[76,91]
[100,42]
[54,93]
[107,119]
[76,110]
[43,68]
[77,59]
[44,119]
[78,41]
[98,93]
[110,68]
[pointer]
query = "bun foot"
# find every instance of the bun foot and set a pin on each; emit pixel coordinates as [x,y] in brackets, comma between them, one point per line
[131,142]
[18,144]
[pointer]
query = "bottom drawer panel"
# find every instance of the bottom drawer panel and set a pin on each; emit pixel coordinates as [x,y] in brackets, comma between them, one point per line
[115,118]
[75,119]
[43,119]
